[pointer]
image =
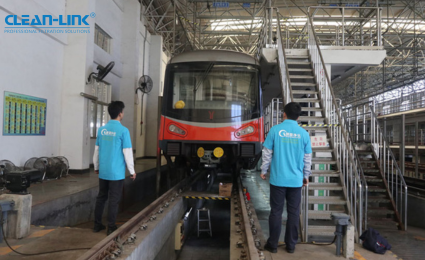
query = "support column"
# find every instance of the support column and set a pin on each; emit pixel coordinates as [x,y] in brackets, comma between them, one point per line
[130,64]
[156,67]
[402,143]
[78,64]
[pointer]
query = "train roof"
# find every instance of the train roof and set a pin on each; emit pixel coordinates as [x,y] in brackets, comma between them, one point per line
[214,55]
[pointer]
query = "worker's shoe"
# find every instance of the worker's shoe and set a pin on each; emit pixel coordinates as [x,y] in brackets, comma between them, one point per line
[98,227]
[290,250]
[111,230]
[270,249]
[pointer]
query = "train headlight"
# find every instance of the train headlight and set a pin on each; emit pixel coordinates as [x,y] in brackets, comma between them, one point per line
[200,152]
[242,132]
[218,152]
[175,129]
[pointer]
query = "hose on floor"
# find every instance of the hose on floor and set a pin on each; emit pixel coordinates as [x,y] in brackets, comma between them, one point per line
[42,253]
[314,243]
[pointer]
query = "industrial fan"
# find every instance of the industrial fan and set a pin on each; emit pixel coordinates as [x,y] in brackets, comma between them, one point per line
[6,165]
[101,72]
[53,167]
[39,165]
[145,85]
[65,165]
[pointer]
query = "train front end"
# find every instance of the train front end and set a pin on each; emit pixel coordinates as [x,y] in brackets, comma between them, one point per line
[212,111]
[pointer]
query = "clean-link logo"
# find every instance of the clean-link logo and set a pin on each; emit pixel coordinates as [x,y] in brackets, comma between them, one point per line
[48,24]
[106,132]
[283,133]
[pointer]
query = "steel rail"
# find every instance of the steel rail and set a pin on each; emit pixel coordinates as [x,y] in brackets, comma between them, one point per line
[109,244]
[252,249]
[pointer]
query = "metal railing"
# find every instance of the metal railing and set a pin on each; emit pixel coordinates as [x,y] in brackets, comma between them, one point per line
[370,131]
[392,172]
[283,65]
[351,173]
[357,26]
[273,114]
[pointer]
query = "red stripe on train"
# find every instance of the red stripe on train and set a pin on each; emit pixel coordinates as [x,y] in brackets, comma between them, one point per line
[228,133]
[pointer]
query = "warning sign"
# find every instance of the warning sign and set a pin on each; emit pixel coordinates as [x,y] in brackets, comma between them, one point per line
[319,141]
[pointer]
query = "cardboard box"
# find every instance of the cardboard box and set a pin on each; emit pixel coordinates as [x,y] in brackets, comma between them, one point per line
[225,189]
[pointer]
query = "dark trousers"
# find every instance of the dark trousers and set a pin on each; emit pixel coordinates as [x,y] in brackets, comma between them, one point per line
[277,200]
[111,190]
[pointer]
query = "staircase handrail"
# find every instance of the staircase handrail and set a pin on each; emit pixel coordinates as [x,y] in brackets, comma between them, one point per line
[329,106]
[378,136]
[286,88]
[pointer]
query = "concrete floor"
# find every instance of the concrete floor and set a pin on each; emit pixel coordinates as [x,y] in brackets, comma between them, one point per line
[406,245]
[45,238]
[73,183]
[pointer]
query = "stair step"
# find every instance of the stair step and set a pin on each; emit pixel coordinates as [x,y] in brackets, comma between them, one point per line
[297,56]
[322,150]
[321,231]
[319,173]
[380,211]
[311,118]
[324,186]
[370,170]
[334,200]
[322,214]
[375,189]
[364,152]
[304,100]
[322,128]
[299,63]
[311,92]
[301,77]
[303,84]
[318,109]
[378,199]
[322,161]
[298,69]
[373,180]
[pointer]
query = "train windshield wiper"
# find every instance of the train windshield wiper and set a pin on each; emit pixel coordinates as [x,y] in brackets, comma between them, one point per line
[205,74]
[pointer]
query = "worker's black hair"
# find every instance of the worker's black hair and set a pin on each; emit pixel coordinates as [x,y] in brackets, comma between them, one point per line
[292,110]
[115,108]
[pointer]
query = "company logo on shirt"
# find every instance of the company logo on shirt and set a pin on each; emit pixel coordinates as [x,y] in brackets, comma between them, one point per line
[106,132]
[283,133]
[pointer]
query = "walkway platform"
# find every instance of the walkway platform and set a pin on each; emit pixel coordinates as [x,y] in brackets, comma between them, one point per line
[62,213]
[407,245]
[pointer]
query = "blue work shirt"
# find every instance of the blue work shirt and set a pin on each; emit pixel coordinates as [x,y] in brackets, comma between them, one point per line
[112,138]
[289,143]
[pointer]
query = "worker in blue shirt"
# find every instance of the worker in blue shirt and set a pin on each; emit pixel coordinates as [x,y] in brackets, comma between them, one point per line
[288,149]
[111,155]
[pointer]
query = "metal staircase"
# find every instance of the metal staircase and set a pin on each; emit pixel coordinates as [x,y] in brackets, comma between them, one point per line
[387,190]
[337,180]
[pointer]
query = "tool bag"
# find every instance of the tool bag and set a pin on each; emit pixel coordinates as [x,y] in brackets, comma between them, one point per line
[374,242]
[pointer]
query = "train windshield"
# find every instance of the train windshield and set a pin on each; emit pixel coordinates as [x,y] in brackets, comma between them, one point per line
[209,86]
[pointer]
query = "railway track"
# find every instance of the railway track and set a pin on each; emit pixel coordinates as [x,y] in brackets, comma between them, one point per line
[245,226]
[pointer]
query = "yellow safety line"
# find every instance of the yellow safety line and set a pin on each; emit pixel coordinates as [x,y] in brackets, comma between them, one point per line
[7,250]
[206,198]
[358,256]
[41,233]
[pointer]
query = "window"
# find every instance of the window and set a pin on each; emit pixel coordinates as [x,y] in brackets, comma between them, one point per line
[102,39]
[99,114]
[231,87]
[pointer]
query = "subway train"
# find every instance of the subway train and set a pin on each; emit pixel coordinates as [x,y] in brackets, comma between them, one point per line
[212,115]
